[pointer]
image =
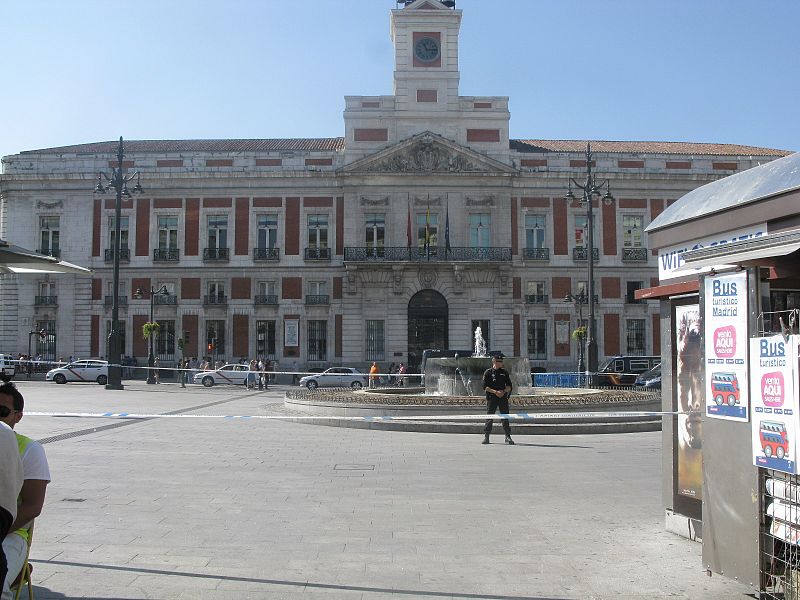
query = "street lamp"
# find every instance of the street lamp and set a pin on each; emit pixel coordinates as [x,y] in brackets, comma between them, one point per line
[151,357]
[118,182]
[579,301]
[591,191]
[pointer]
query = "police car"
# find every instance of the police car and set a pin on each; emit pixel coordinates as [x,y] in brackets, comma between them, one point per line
[95,371]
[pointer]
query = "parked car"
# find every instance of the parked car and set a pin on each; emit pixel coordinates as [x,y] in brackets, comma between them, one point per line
[651,378]
[623,370]
[233,373]
[336,377]
[80,370]
[7,366]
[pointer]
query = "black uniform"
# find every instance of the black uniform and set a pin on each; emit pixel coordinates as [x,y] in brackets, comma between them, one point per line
[496,379]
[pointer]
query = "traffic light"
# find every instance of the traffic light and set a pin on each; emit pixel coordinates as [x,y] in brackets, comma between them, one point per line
[210,347]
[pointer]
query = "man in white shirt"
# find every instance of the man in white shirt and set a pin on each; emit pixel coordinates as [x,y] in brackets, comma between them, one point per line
[36,475]
[10,483]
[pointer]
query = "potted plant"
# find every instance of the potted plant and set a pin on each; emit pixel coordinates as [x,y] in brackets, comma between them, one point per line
[150,328]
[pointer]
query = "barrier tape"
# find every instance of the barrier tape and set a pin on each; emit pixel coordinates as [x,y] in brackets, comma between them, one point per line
[475,417]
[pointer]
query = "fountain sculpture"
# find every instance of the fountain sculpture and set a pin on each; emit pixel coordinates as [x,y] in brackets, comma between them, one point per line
[463,376]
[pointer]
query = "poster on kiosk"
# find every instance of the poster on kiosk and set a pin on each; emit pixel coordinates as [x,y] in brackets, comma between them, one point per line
[774,386]
[726,346]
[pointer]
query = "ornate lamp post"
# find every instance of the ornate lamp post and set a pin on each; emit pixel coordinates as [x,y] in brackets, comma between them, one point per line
[119,183]
[591,191]
[151,357]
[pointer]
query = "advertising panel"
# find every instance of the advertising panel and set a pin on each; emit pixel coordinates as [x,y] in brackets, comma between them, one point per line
[726,346]
[773,385]
[670,261]
[689,388]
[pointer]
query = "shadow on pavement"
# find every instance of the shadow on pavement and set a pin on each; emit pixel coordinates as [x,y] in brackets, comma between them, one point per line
[301,584]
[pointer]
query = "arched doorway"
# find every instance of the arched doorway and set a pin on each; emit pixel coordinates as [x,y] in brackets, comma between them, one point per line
[427,325]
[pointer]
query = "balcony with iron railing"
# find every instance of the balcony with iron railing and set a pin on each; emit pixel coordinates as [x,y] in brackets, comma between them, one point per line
[581,253]
[317,299]
[391,254]
[124,254]
[634,255]
[121,301]
[165,299]
[535,298]
[166,255]
[216,254]
[536,253]
[54,252]
[265,299]
[45,300]
[266,253]
[314,253]
[215,299]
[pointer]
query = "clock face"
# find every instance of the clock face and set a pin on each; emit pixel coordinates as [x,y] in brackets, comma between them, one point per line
[426,49]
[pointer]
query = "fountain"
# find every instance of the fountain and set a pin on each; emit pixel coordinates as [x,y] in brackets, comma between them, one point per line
[463,376]
[453,386]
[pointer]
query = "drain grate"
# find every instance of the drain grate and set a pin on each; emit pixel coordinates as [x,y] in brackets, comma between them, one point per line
[354,467]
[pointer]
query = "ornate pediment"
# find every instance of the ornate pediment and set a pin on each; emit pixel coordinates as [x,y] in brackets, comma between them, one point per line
[427,153]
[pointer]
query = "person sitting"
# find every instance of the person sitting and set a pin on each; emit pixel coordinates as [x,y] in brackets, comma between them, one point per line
[10,484]
[36,476]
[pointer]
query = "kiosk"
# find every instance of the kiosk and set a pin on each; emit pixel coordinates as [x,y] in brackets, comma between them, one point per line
[729,286]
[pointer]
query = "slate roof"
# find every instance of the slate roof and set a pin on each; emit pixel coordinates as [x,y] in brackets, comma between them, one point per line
[175,146]
[338,143]
[754,184]
[692,148]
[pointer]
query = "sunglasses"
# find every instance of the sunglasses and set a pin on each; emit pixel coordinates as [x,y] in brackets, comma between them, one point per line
[5,411]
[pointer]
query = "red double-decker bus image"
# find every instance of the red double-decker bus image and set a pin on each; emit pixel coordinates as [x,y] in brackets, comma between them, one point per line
[774,441]
[725,389]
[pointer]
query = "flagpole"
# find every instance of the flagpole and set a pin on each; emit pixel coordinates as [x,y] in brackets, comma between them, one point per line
[408,224]
[447,227]
[427,230]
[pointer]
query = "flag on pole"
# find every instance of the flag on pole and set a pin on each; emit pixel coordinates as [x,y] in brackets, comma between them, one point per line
[428,232]
[408,224]
[447,229]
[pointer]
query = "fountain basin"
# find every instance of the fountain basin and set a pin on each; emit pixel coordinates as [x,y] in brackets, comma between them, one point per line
[463,376]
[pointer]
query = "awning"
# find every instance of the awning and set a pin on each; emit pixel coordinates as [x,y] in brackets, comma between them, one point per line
[14,259]
[743,253]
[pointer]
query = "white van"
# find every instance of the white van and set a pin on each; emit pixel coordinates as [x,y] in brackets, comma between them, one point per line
[7,363]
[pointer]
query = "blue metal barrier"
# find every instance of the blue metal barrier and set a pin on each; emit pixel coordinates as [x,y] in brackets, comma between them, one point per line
[559,380]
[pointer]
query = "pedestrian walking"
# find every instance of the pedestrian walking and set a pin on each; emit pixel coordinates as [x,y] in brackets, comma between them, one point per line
[373,375]
[497,385]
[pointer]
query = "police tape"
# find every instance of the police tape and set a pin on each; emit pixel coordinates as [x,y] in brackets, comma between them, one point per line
[439,417]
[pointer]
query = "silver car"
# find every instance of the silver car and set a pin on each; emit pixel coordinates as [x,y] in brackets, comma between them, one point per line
[235,374]
[335,377]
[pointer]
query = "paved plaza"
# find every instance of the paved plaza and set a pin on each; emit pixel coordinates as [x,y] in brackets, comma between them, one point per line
[197,508]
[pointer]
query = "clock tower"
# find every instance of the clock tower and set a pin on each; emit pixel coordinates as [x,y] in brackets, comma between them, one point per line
[425,38]
[426,91]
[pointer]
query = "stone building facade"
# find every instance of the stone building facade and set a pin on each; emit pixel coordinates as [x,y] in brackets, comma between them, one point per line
[423,221]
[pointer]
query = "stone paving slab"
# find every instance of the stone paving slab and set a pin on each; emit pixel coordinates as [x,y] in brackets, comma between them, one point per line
[217,509]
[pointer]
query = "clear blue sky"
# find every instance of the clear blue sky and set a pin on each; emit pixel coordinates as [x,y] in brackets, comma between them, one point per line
[689,70]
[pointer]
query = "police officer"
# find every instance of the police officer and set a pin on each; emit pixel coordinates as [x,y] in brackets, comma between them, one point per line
[497,385]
